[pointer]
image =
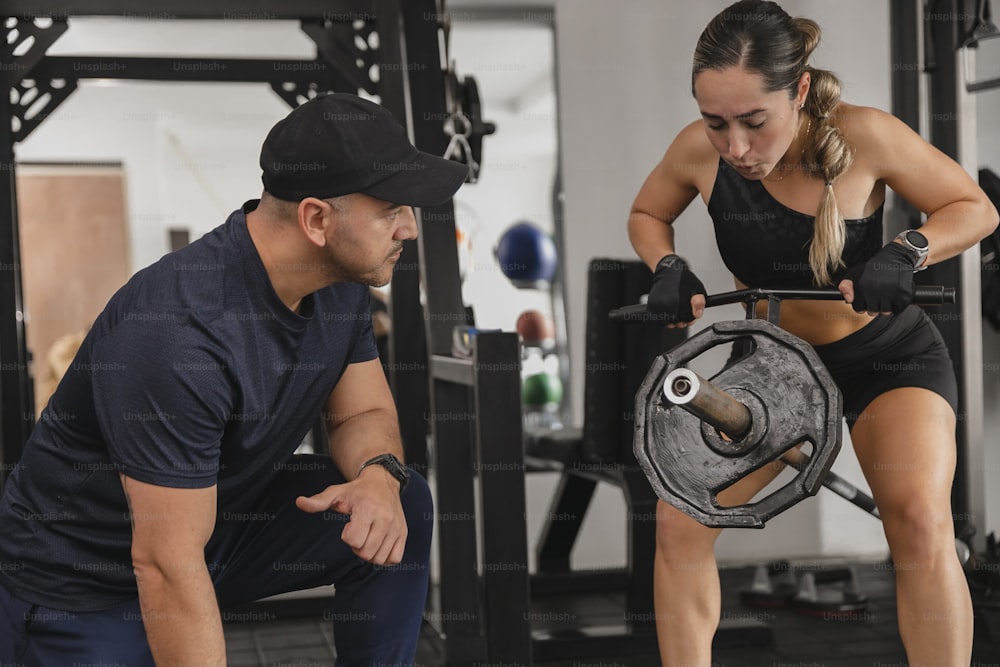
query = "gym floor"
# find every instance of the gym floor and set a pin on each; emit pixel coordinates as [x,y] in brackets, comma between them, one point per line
[869,640]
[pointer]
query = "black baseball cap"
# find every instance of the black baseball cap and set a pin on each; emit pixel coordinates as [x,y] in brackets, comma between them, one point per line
[338,144]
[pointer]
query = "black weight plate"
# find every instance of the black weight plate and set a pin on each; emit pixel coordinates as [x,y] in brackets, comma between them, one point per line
[802,403]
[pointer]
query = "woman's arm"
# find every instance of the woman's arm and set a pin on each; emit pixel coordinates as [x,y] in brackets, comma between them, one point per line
[667,191]
[959,214]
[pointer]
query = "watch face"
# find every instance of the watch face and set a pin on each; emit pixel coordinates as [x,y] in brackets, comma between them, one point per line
[917,240]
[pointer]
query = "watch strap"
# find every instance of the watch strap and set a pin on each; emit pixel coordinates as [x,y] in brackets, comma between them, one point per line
[392,465]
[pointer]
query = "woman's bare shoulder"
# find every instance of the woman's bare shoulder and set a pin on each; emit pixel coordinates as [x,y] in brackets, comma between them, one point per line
[864,126]
[691,157]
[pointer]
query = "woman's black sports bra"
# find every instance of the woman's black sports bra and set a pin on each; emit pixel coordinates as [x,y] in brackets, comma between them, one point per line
[766,244]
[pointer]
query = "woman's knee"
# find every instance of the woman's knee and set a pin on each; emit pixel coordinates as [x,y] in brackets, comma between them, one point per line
[918,531]
[678,536]
[683,537]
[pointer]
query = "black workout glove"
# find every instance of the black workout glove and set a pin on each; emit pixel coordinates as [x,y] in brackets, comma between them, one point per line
[673,286]
[885,282]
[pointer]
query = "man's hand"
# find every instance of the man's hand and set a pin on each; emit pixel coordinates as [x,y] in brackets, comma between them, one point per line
[377,529]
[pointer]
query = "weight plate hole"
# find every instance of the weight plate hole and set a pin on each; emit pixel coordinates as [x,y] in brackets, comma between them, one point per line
[774,475]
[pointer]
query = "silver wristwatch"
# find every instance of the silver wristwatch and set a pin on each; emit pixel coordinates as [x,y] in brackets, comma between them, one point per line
[918,243]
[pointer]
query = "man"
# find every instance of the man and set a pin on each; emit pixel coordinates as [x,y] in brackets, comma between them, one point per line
[160,483]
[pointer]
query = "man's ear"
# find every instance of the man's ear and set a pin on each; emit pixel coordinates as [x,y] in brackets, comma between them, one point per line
[314,215]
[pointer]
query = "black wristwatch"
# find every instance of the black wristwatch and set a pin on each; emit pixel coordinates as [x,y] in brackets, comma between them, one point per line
[392,464]
[918,243]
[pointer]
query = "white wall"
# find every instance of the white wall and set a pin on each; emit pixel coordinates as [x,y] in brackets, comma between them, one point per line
[519,161]
[624,92]
[181,170]
[190,151]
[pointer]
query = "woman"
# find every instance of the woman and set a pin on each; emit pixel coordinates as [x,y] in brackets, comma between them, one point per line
[795,180]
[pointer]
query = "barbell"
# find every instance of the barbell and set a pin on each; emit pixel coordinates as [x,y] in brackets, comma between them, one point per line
[695,437]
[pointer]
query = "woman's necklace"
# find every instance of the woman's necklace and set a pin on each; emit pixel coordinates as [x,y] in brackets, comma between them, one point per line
[801,154]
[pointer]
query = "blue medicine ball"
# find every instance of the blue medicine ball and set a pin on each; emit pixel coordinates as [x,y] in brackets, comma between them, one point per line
[527,255]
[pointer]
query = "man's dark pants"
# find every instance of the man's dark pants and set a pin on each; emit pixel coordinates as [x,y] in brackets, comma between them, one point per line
[269,549]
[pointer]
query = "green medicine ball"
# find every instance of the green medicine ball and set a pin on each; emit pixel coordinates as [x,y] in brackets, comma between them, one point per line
[541,389]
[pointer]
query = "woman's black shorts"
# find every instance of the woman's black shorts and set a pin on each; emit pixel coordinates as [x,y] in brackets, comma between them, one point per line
[892,351]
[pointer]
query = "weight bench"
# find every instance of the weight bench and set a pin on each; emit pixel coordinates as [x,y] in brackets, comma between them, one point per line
[617,357]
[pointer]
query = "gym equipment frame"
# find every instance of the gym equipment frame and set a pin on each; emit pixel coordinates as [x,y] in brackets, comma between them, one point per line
[932,42]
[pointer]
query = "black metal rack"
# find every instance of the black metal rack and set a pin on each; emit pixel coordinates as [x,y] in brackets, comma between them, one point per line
[409,77]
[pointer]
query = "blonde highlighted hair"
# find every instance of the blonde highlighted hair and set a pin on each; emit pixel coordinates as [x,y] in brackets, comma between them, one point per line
[759,36]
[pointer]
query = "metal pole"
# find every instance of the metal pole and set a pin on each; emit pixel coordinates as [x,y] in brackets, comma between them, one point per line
[16,405]
[952,129]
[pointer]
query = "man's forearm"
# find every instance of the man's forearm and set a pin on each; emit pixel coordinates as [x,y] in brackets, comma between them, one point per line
[363,436]
[181,616]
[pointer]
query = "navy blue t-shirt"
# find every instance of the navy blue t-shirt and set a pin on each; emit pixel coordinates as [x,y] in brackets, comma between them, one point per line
[196,374]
